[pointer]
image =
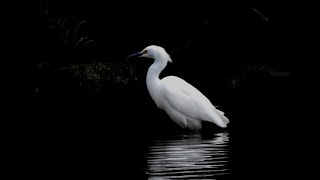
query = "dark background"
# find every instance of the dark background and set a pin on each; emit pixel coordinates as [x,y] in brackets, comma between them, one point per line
[231,51]
[224,32]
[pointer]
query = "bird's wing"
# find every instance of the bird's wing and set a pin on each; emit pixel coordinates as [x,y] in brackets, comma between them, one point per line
[177,84]
[190,102]
[185,98]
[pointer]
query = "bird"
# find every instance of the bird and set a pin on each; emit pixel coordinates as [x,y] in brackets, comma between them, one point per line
[183,103]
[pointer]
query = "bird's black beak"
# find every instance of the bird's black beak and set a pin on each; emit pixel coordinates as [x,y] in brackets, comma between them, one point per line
[135,54]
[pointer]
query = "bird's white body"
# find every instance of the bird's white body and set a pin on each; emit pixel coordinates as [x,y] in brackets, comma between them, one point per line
[184,104]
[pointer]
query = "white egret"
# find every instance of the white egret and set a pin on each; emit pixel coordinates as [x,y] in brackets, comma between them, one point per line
[184,104]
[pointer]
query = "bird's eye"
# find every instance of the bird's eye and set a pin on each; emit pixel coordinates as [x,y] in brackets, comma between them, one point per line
[145,52]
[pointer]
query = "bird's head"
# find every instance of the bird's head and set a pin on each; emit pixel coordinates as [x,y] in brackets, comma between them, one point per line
[153,52]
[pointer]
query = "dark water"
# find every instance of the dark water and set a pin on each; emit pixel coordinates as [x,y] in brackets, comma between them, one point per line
[177,155]
[189,157]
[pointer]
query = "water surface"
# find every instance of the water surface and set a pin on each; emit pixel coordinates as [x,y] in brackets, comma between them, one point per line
[189,157]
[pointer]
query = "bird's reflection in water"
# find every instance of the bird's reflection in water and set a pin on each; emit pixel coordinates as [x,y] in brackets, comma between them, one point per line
[189,157]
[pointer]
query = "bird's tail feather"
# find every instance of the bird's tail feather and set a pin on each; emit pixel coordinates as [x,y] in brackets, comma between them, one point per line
[223,117]
[218,117]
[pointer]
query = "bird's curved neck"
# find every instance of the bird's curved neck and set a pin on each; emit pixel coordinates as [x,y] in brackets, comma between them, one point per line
[153,77]
[155,70]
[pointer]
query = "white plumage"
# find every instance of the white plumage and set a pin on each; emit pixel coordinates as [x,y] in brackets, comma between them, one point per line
[184,104]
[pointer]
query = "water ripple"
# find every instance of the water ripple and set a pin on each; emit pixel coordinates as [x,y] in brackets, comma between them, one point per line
[189,157]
